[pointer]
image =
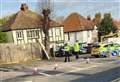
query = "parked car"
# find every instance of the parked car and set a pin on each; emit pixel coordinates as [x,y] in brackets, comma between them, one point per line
[59,51]
[89,48]
[113,49]
[95,51]
[83,48]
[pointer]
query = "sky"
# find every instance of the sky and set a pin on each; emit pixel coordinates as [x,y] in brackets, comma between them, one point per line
[64,7]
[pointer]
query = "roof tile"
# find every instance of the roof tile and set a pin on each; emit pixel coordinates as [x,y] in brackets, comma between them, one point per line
[76,22]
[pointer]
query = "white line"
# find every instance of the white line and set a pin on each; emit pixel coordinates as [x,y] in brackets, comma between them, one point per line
[44,74]
[116,80]
[77,69]
[28,81]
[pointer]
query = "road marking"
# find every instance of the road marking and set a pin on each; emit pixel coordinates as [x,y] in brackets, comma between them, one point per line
[116,80]
[77,69]
[28,81]
[45,74]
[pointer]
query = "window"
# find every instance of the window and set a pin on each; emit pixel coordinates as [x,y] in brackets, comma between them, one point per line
[19,34]
[57,32]
[33,33]
[51,34]
[88,33]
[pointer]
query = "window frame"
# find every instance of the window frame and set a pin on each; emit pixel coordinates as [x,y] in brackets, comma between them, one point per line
[19,34]
[33,33]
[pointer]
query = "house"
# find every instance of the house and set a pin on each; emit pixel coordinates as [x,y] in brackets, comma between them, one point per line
[25,26]
[117,24]
[76,27]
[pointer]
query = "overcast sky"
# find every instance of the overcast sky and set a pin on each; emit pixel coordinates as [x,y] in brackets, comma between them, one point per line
[65,7]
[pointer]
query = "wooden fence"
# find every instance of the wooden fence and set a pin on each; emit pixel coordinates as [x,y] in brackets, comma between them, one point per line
[11,53]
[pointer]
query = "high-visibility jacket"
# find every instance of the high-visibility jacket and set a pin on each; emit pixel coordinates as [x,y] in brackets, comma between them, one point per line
[76,47]
[102,48]
[67,48]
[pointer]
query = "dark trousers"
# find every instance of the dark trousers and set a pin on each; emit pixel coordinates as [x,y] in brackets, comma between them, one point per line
[67,56]
[76,55]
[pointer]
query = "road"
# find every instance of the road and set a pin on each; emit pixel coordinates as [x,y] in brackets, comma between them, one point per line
[96,71]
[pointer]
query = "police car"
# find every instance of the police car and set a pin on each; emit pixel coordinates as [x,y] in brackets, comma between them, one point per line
[105,50]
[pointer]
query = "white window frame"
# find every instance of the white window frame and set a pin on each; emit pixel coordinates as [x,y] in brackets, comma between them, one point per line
[19,34]
[33,33]
[57,31]
[51,35]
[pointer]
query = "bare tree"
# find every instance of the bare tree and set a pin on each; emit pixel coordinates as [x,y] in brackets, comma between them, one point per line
[46,26]
[46,6]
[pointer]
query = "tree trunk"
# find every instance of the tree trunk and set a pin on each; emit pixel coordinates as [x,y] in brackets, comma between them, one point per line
[46,26]
[46,42]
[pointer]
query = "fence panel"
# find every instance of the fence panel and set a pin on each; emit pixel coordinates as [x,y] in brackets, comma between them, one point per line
[11,53]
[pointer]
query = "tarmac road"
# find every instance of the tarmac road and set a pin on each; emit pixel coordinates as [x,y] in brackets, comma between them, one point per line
[105,72]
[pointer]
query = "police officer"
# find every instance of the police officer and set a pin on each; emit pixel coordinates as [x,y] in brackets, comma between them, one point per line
[76,49]
[67,52]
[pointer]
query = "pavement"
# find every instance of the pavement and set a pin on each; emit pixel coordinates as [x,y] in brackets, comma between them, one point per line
[50,68]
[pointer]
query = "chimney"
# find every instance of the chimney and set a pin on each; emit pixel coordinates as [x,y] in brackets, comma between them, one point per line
[88,18]
[24,7]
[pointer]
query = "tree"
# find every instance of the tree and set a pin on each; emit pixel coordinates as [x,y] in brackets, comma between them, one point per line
[46,26]
[47,8]
[3,20]
[3,37]
[106,26]
[97,19]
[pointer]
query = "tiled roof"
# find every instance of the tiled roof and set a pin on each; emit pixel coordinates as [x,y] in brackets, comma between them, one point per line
[76,22]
